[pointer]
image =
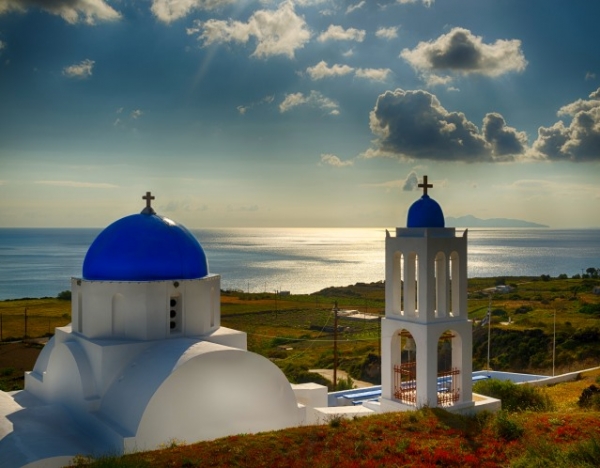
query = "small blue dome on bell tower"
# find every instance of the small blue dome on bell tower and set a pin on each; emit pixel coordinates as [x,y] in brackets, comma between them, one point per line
[425,212]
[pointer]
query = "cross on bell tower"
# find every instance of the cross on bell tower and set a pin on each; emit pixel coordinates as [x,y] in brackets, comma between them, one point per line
[425,185]
[148,209]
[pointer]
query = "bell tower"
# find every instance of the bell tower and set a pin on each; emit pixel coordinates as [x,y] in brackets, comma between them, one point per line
[426,336]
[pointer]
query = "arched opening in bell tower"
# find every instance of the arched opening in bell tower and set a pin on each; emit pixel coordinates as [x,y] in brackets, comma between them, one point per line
[440,269]
[454,285]
[449,368]
[411,285]
[404,356]
[398,284]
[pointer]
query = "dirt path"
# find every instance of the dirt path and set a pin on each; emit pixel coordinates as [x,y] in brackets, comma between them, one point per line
[328,374]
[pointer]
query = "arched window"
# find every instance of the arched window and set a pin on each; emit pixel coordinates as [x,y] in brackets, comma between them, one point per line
[213,307]
[405,368]
[397,282]
[411,286]
[440,285]
[118,316]
[449,371]
[454,285]
[80,312]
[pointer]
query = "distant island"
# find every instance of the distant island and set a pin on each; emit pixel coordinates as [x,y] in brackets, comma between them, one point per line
[472,221]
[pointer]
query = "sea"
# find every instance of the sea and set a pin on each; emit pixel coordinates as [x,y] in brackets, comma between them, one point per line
[41,262]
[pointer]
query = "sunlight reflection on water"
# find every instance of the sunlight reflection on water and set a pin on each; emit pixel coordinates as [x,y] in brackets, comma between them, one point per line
[305,260]
[40,262]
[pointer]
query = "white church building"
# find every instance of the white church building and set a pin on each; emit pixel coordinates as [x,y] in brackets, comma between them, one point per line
[145,360]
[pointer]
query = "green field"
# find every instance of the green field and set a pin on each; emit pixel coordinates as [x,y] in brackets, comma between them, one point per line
[296,331]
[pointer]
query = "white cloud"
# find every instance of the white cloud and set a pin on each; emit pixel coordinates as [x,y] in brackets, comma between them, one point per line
[563,188]
[126,120]
[187,204]
[322,70]
[310,2]
[277,32]
[243,208]
[72,11]
[437,80]
[80,70]
[358,6]
[171,10]
[461,52]
[374,74]
[291,101]
[387,33]
[333,160]
[337,33]
[75,184]
[505,141]
[314,99]
[411,182]
[414,125]
[266,100]
[2,45]
[577,142]
[427,3]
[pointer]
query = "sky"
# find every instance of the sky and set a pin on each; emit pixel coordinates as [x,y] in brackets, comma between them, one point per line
[252,113]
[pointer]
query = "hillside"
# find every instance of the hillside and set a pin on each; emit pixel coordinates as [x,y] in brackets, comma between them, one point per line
[296,331]
[565,437]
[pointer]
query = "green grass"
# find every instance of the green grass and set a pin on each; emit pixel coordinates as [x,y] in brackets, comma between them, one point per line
[276,323]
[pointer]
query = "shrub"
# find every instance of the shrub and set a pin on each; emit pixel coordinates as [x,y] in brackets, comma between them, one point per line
[335,421]
[7,371]
[506,427]
[591,309]
[299,374]
[344,384]
[587,335]
[523,309]
[64,295]
[514,397]
[590,398]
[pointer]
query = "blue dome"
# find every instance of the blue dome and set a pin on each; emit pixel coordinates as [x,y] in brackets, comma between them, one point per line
[425,213]
[144,247]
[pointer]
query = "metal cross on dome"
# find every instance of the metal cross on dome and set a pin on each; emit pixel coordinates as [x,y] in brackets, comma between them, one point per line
[148,197]
[425,185]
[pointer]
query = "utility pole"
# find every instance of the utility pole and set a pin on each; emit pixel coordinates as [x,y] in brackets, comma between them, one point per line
[489,331]
[335,351]
[25,324]
[554,343]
